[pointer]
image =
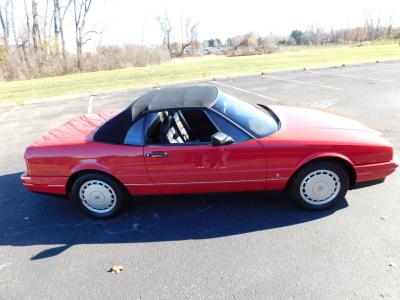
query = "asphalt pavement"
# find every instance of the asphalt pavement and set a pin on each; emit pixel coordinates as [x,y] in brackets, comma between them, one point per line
[230,246]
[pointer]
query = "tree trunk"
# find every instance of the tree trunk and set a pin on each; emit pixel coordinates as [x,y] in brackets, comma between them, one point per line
[60,17]
[183,47]
[28,24]
[44,45]
[21,59]
[79,52]
[35,27]
[4,25]
[81,10]
[28,64]
[56,31]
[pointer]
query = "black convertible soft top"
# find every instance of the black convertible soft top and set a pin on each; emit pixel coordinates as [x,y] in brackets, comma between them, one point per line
[115,129]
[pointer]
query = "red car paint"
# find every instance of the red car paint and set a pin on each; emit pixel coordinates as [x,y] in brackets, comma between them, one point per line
[258,164]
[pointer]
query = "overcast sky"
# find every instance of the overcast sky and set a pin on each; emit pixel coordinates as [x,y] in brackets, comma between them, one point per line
[130,21]
[124,21]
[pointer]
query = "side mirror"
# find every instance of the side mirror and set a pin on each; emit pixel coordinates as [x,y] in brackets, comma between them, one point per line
[220,138]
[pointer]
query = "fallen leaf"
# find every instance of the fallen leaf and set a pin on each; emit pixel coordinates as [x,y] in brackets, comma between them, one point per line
[393,265]
[117,269]
[384,218]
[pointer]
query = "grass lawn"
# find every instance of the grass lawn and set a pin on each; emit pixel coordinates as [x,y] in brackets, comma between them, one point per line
[191,69]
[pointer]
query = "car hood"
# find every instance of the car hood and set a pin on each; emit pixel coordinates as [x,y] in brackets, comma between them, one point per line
[77,130]
[313,124]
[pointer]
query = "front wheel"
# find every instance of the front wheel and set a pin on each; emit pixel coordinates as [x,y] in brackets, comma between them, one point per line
[98,195]
[319,185]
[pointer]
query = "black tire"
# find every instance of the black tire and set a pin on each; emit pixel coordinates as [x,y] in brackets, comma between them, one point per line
[107,186]
[329,169]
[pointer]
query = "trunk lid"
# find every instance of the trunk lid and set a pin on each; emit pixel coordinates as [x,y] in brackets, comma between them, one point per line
[77,130]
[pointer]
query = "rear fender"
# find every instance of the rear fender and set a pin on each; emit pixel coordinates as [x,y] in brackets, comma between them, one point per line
[92,165]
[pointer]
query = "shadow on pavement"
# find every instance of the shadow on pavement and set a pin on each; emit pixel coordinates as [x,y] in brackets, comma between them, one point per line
[33,219]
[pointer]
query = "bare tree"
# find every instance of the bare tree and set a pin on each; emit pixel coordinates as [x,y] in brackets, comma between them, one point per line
[184,43]
[370,26]
[59,16]
[23,57]
[191,32]
[13,22]
[36,37]
[190,28]
[15,31]
[6,67]
[61,13]
[81,10]
[166,29]
[378,24]
[56,28]
[143,31]
[389,27]
[28,24]
[4,21]
[44,28]
[188,34]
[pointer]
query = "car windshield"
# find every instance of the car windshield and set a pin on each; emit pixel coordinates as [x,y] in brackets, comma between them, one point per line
[257,121]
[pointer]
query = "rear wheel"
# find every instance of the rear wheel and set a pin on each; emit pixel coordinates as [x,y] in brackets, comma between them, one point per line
[319,185]
[98,195]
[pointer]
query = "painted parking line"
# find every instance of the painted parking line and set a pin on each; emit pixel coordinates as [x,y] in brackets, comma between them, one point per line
[303,82]
[387,70]
[4,115]
[90,105]
[245,91]
[351,76]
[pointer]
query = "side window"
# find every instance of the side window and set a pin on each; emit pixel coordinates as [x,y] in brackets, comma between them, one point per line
[186,126]
[155,121]
[135,134]
[228,128]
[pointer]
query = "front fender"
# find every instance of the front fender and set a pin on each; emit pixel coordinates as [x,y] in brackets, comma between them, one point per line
[315,156]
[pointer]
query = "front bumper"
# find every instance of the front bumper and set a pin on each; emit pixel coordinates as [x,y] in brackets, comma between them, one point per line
[376,171]
[50,185]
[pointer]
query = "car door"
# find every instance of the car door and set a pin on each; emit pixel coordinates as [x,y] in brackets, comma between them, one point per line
[190,167]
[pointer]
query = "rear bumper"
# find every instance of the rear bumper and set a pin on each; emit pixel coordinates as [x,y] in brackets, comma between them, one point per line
[372,172]
[50,185]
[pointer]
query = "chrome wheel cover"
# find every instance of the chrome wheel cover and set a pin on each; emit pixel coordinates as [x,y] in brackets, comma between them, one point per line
[97,196]
[320,187]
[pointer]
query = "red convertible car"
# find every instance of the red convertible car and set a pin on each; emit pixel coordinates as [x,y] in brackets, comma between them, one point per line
[197,139]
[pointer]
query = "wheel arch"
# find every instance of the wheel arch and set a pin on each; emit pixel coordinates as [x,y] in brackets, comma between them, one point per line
[342,160]
[74,176]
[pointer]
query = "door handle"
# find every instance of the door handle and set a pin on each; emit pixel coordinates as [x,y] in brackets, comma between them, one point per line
[156,154]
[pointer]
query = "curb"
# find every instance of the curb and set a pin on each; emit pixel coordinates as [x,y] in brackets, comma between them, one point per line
[7,104]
